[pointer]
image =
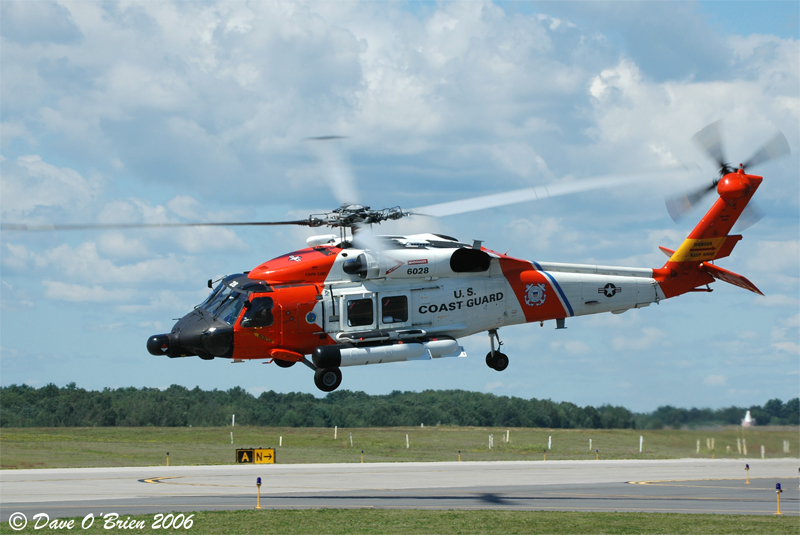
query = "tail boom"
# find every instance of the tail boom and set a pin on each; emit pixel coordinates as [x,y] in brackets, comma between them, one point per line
[688,267]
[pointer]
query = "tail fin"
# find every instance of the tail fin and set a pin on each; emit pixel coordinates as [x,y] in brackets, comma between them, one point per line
[686,268]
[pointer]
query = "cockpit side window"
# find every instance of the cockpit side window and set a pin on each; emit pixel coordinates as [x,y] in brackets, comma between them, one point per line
[260,313]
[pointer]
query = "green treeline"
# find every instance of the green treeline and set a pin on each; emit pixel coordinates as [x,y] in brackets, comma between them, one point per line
[177,406]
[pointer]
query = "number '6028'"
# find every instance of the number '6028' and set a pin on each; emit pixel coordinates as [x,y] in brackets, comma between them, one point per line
[417,271]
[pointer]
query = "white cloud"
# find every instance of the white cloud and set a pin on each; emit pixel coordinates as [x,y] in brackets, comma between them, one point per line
[776,301]
[651,337]
[788,347]
[77,293]
[777,258]
[715,380]
[30,183]
[573,347]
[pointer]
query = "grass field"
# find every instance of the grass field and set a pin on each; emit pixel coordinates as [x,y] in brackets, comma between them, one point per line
[143,446]
[369,521]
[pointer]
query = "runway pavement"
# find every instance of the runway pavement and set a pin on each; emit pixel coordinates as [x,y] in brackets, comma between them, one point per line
[683,485]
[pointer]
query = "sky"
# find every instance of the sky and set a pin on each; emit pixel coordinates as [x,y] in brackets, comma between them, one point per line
[119,112]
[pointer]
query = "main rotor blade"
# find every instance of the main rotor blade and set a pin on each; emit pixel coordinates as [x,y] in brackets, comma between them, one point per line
[710,140]
[335,168]
[526,194]
[774,148]
[80,226]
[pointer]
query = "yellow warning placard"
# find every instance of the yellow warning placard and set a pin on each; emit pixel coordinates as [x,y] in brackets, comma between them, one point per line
[256,456]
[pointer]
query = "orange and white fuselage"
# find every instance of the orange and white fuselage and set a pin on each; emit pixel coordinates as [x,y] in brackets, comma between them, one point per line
[413,297]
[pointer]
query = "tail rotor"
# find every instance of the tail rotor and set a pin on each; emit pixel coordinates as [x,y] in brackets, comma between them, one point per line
[709,140]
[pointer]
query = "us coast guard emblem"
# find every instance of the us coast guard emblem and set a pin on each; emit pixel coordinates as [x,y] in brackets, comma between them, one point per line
[535,294]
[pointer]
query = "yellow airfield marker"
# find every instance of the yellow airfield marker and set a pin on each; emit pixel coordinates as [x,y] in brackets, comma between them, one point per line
[747,471]
[167,458]
[778,492]
[459,455]
[258,499]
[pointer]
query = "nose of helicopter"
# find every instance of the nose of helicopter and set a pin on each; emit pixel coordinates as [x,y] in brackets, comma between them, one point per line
[158,344]
[194,334]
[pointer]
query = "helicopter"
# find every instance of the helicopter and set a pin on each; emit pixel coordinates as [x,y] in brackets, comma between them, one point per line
[353,298]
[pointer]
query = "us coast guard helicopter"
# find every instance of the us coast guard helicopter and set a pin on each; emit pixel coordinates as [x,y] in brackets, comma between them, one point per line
[352,299]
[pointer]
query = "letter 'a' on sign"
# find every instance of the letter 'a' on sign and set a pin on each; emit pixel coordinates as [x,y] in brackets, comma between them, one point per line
[244,456]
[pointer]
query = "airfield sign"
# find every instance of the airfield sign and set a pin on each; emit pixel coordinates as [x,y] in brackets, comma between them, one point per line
[256,455]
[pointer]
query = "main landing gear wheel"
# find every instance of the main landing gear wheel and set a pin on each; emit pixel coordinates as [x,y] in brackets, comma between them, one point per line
[494,359]
[328,379]
[284,363]
[499,362]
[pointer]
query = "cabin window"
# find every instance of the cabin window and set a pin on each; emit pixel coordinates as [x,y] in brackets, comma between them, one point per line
[466,260]
[259,314]
[359,312]
[394,309]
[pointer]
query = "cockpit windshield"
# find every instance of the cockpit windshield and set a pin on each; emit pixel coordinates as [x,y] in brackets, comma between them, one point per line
[224,303]
[213,300]
[228,310]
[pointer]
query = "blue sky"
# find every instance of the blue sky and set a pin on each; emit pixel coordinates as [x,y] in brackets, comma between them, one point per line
[161,111]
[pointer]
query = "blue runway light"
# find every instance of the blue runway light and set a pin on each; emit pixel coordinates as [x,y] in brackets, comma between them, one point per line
[747,467]
[777,486]
[258,481]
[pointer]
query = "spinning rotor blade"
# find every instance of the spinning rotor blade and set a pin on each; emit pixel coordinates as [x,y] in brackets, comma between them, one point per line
[774,148]
[524,195]
[710,140]
[751,215]
[335,168]
[681,205]
[310,222]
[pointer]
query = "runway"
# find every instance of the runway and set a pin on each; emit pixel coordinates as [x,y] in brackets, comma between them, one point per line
[682,486]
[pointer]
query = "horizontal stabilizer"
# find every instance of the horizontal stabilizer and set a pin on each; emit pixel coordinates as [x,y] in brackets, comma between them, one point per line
[668,252]
[730,277]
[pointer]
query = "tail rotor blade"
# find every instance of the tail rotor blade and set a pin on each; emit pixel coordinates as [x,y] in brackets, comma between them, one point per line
[710,140]
[681,205]
[774,148]
[751,215]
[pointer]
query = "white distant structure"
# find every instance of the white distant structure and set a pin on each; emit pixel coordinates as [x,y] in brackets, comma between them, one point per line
[748,421]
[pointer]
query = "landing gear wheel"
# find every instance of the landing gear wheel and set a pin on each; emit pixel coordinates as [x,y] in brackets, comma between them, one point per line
[284,363]
[499,362]
[328,379]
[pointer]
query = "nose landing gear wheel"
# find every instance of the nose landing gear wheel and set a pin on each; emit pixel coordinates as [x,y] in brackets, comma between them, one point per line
[328,379]
[499,362]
